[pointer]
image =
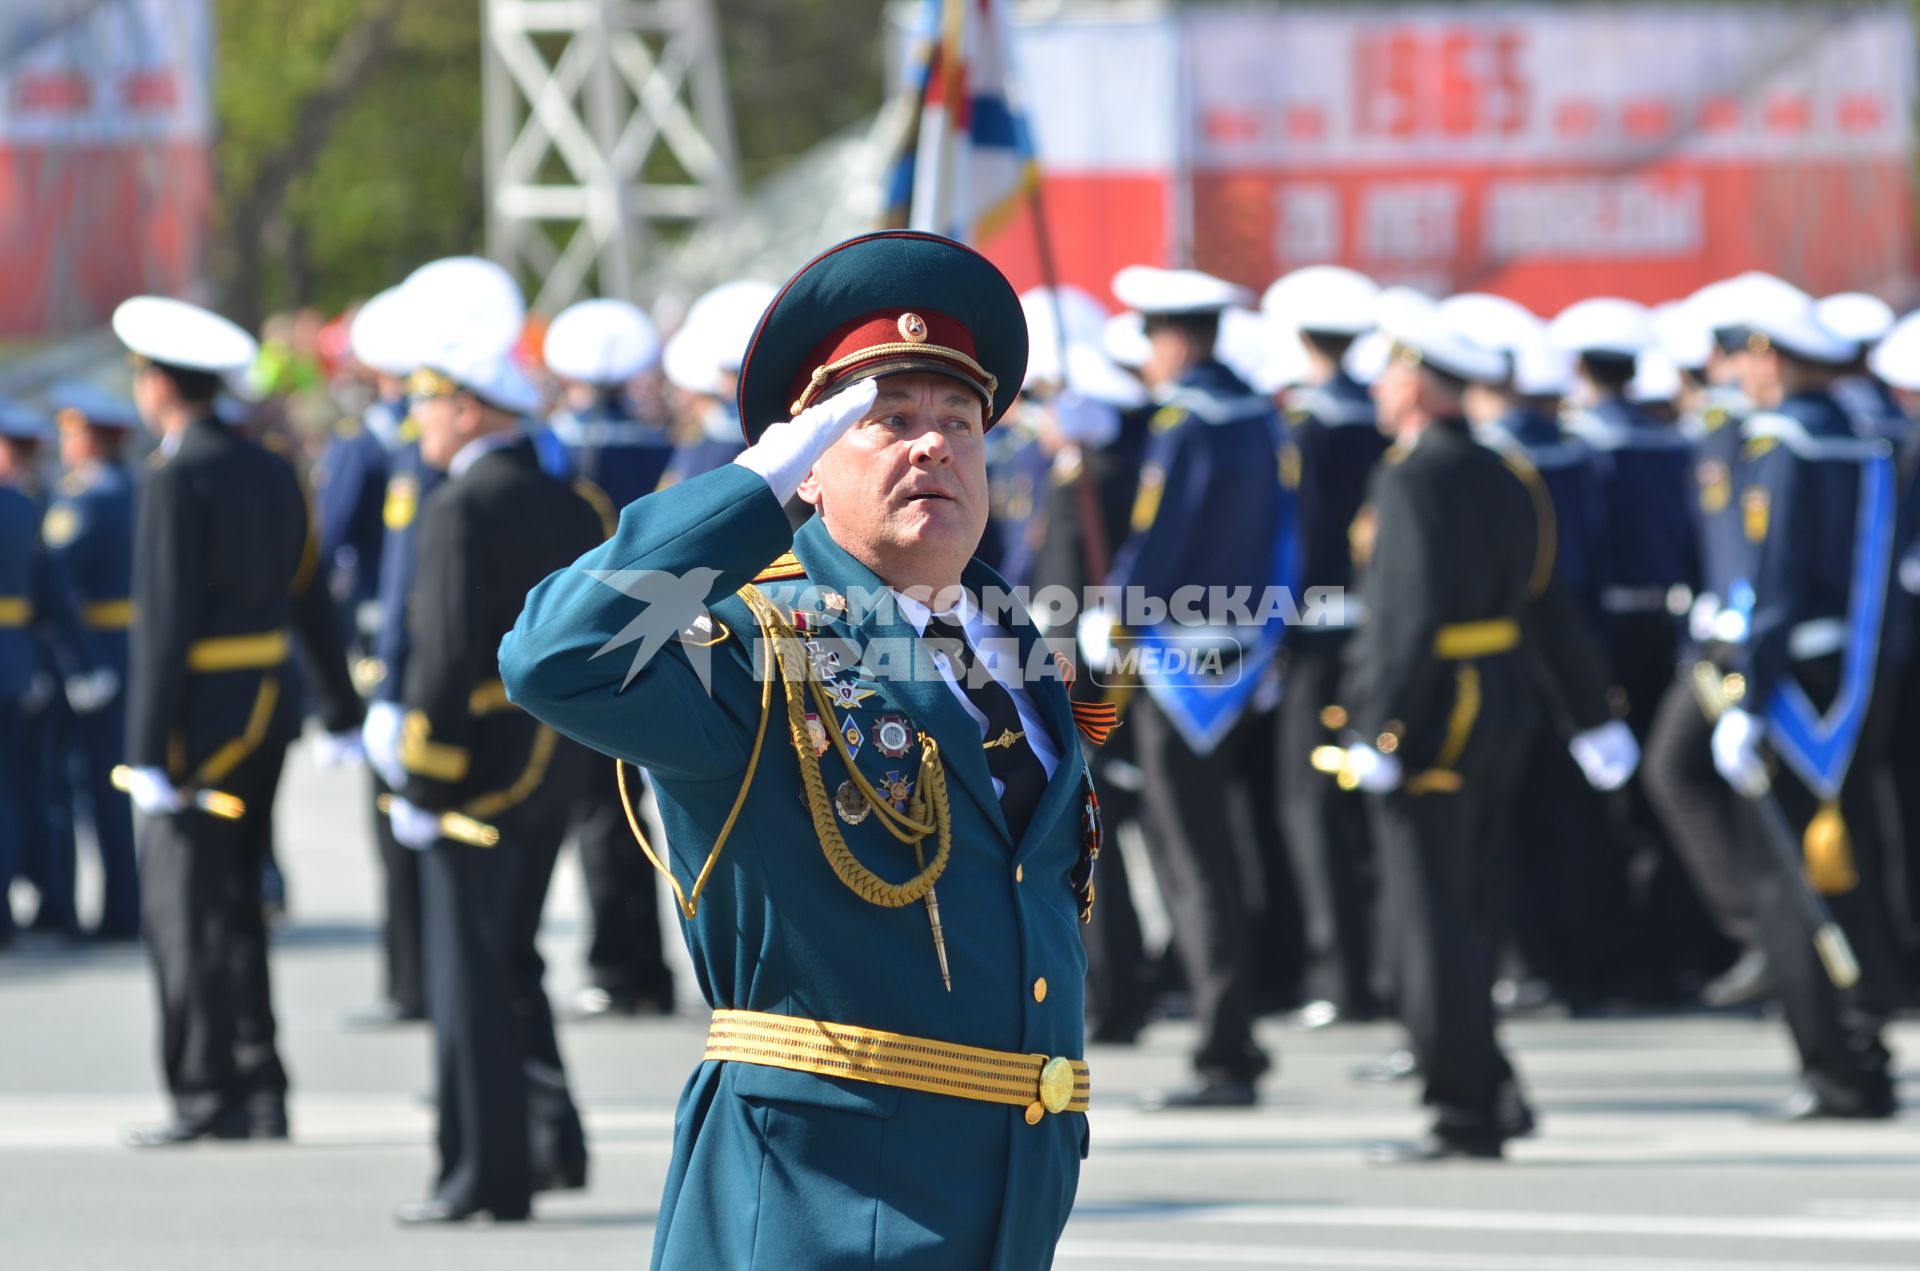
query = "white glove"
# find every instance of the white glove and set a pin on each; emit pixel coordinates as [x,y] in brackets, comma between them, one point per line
[1095,630]
[88,693]
[380,739]
[787,451]
[413,827]
[338,750]
[1373,771]
[152,793]
[1736,753]
[1607,755]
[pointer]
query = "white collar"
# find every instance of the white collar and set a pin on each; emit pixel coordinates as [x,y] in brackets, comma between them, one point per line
[963,613]
[479,448]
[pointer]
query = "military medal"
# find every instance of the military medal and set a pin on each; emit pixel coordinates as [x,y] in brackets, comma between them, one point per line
[817,735]
[850,730]
[847,694]
[826,662]
[834,602]
[898,789]
[892,736]
[851,804]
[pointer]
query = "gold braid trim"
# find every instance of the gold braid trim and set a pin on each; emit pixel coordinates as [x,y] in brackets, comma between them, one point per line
[928,809]
[927,812]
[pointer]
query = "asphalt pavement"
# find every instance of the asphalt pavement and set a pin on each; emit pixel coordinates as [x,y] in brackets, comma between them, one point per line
[1648,1158]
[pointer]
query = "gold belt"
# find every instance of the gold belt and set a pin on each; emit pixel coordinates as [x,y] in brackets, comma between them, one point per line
[1036,1083]
[108,615]
[1463,640]
[238,652]
[15,611]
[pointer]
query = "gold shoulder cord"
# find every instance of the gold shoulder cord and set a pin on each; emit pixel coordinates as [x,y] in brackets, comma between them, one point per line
[927,813]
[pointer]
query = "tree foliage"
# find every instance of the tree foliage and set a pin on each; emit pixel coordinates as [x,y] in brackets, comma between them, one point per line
[349,130]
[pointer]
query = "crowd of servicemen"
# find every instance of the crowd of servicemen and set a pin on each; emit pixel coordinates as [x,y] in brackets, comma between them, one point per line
[1722,487]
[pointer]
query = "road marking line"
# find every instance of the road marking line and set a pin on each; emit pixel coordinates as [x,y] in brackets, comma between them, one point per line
[1110,1253]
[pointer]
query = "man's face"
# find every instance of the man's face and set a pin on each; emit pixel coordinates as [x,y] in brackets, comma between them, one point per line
[152,394]
[1759,376]
[446,424]
[1395,395]
[905,490]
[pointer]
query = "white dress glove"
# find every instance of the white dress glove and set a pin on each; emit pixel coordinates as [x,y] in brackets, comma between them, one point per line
[380,739]
[787,451]
[1373,771]
[1736,753]
[88,693]
[1608,755]
[413,827]
[152,792]
[338,750]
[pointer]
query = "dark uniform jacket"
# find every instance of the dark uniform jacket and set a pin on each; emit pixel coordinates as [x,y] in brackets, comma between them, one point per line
[349,485]
[19,557]
[1332,445]
[409,482]
[1456,544]
[225,560]
[1568,469]
[486,537]
[616,452]
[1648,546]
[88,531]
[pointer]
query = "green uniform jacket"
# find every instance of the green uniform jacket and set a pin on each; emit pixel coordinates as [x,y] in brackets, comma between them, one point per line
[771,1167]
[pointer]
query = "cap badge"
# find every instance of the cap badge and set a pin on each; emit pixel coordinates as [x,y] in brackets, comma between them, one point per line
[913,328]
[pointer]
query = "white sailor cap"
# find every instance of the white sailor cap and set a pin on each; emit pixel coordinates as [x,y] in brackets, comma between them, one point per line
[601,342]
[1417,327]
[1323,298]
[1085,367]
[384,337]
[1286,363]
[1541,368]
[712,339]
[1896,359]
[1855,315]
[494,378]
[1683,334]
[1242,343]
[17,423]
[1656,378]
[1368,356]
[1733,303]
[1495,321]
[1799,333]
[464,303]
[175,333]
[1604,325]
[1051,310]
[1167,292]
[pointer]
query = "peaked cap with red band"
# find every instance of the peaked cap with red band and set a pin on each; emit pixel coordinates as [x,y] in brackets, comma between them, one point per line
[885,304]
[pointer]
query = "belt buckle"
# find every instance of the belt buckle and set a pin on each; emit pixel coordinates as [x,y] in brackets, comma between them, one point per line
[1055,1089]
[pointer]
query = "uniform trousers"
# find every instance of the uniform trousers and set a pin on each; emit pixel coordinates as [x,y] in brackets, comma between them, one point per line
[1192,834]
[625,957]
[1443,859]
[48,844]
[207,933]
[508,1125]
[1326,832]
[1698,809]
[1837,1033]
[14,801]
[1569,880]
[1118,994]
[100,744]
[400,900]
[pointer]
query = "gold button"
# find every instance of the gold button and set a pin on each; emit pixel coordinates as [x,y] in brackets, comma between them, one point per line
[1034,1112]
[1019,873]
[1056,1084]
[1040,989]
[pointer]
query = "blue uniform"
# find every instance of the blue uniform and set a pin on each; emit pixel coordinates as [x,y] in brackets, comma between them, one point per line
[609,447]
[409,482]
[1647,547]
[774,1167]
[1332,445]
[704,455]
[349,488]
[88,532]
[19,550]
[1017,471]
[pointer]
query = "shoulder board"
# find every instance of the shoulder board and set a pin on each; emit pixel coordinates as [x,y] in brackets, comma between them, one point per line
[1167,418]
[1713,417]
[1209,409]
[1773,427]
[602,505]
[348,428]
[409,430]
[786,565]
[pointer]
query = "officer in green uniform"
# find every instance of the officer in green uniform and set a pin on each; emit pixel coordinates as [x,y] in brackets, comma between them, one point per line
[877,823]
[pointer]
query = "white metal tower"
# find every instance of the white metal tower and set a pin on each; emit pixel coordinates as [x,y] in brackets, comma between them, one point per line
[605,121]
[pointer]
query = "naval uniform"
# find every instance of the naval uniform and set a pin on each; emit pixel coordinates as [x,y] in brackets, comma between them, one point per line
[625,459]
[1207,514]
[349,491]
[1457,567]
[1799,494]
[19,551]
[508,1126]
[225,560]
[88,531]
[1332,447]
[773,1163]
